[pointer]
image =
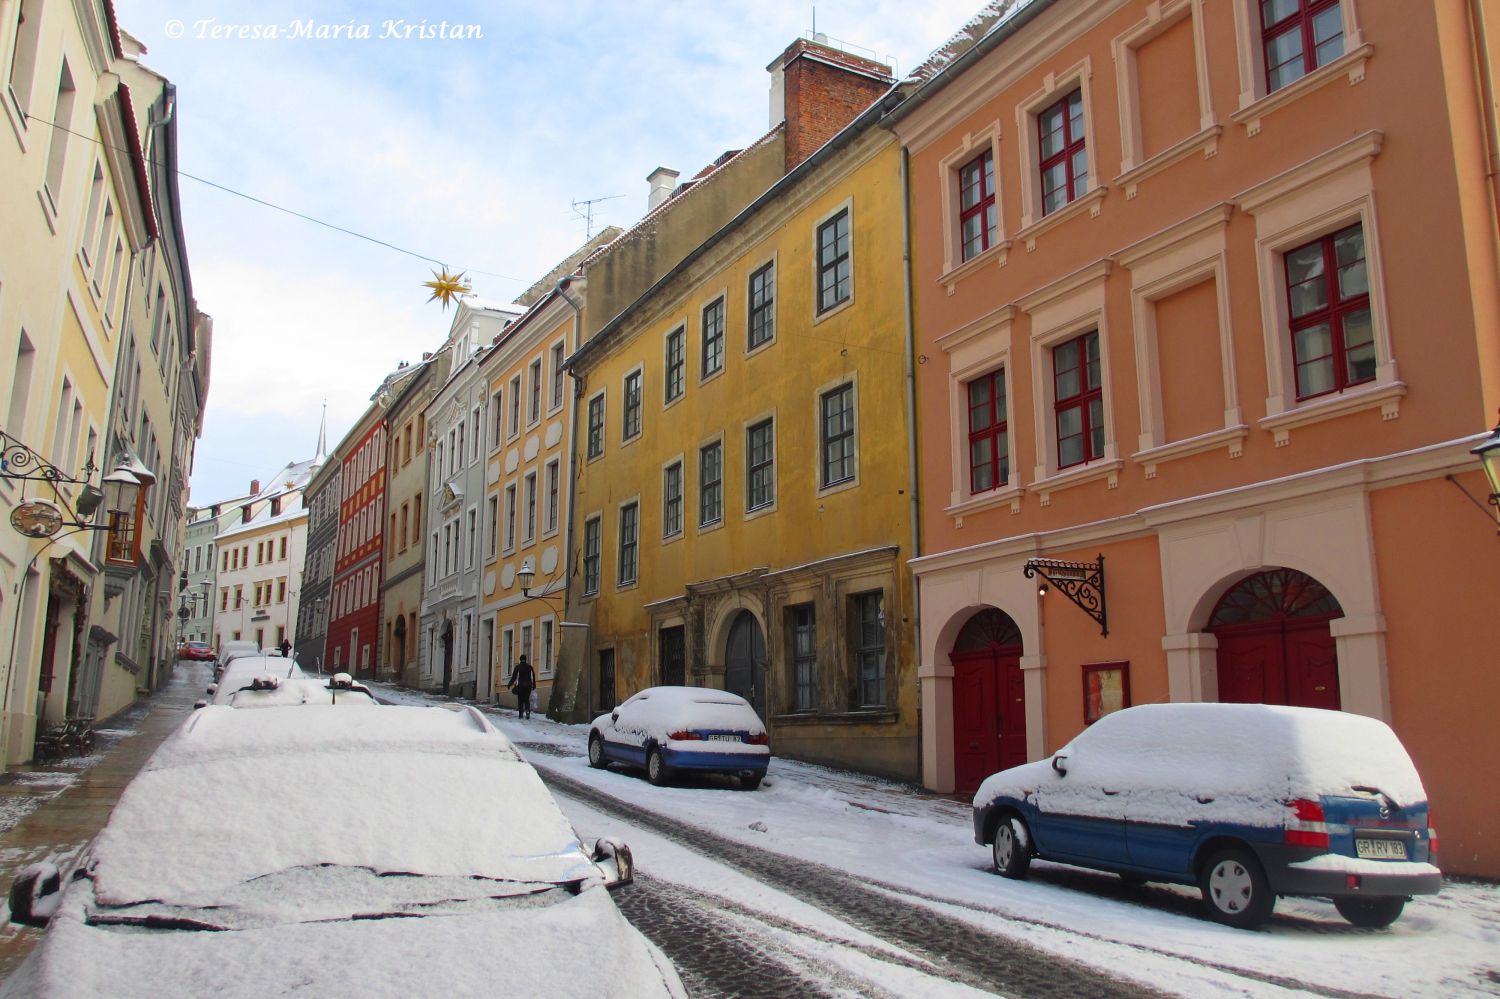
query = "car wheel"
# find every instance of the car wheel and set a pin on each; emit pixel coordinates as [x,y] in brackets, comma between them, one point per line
[1235,889]
[596,752]
[1372,913]
[656,770]
[750,783]
[1012,848]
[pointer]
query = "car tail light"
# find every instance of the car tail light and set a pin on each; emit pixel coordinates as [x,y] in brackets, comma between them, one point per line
[685,737]
[1307,826]
[1431,837]
[758,739]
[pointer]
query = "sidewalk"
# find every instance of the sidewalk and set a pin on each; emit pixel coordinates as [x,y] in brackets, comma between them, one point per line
[61,826]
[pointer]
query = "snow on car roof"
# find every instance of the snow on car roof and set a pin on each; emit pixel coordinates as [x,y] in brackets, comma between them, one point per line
[1236,746]
[235,795]
[693,695]
[300,690]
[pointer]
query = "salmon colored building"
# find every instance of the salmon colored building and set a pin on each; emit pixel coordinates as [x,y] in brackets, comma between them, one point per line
[1206,295]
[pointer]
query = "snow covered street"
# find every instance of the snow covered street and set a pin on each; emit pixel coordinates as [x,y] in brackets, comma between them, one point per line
[918,850]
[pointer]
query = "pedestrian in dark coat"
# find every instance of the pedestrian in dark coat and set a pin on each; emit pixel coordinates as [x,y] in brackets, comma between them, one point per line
[522,681]
[286,648]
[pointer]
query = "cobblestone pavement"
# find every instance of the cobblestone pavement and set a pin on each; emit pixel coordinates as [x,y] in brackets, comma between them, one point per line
[721,954]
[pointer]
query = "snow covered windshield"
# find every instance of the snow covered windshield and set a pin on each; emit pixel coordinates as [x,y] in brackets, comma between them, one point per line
[295,806]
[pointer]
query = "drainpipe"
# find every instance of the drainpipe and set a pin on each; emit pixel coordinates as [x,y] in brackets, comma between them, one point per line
[578,386]
[1487,95]
[913,499]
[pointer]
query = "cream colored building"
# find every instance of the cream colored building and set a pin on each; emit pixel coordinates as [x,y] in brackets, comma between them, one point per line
[260,573]
[76,213]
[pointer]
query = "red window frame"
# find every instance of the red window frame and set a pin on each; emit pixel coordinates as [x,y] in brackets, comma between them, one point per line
[1336,310]
[1300,21]
[1088,392]
[1071,146]
[993,432]
[978,176]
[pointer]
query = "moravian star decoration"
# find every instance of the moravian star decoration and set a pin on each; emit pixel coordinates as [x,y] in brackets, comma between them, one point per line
[446,287]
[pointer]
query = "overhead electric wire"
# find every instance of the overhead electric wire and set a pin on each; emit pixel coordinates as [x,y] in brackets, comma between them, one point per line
[280,208]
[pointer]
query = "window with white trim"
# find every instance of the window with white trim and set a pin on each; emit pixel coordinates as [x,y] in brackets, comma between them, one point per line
[762,306]
[760,465]
[675,350]
[671,500]
[591,537]
[710,484]
[596,426]
[835,268]
[836,409]
[630,406]
[713,337]
[630,537]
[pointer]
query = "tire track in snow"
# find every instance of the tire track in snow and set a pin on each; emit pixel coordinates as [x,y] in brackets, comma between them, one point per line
[956,949]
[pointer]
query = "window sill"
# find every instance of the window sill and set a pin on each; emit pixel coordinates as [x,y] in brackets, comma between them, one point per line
[760,511]
[996,254]
[1386,395]
[1206,141]
[1093,200]
[668,539]
[759,348]
[49,212]
[711,526]
[1350,63]
[833,310]
[1232,438]
[16,116]
[628,585]
[669,403]
[842,486]
[1099,468]
[704,379]
[874,716]
[1007,495]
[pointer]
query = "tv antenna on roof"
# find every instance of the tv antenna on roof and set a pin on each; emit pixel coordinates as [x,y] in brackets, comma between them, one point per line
[587,212]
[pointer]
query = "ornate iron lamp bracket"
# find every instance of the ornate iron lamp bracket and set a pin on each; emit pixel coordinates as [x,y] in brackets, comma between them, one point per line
[1080,582]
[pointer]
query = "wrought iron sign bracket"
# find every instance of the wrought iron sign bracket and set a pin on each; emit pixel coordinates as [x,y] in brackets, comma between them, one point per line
[1080,582]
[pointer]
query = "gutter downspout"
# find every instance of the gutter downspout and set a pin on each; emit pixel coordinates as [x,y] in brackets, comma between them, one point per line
[913,499]
[1488,112]
[578,384]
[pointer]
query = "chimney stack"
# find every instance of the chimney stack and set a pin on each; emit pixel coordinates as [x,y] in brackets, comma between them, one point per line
[663,182]
[254,486]
[817,90]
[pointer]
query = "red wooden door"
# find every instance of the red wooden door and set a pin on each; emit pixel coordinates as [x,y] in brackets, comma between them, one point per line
[989,714]
[1312,665]
[1283,662]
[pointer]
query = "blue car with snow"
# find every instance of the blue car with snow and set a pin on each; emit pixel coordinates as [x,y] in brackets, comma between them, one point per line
[670,730]
[1246,801]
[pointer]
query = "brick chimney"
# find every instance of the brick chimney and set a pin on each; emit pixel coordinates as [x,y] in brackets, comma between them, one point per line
[254,486]
[817,90]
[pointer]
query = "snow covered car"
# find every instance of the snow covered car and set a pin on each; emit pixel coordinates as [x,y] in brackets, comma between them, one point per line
[273,692]
[244,670]
[404,851]
[1246,801]
[670,729]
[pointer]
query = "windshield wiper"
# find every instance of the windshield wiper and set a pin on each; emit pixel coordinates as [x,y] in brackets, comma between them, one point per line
[155,922]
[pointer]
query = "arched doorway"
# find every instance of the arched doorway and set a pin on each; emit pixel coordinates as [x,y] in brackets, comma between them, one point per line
[989,699]
[447,654]
[745,661]
[1274,642]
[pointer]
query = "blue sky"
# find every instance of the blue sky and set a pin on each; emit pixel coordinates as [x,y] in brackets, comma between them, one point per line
[467,150]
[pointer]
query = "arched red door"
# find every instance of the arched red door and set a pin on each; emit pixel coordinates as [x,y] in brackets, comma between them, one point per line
[1274,642]
[989,699]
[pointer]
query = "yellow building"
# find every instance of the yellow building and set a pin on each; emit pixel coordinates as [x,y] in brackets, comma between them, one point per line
[76,211]
[526,440]
[743,511]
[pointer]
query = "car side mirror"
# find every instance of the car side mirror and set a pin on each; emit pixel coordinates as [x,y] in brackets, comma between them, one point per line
[610,852]
[35,893]
[1060,764]
[614,716]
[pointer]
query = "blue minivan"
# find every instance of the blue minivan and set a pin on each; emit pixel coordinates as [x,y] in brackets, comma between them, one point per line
[1246,801]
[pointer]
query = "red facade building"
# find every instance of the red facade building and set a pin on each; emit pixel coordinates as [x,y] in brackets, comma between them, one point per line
[354,612]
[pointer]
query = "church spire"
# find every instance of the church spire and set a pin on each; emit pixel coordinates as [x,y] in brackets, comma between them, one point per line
[322,454]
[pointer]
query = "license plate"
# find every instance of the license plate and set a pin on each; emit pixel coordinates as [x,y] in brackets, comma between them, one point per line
[1380,849]
[724,738]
